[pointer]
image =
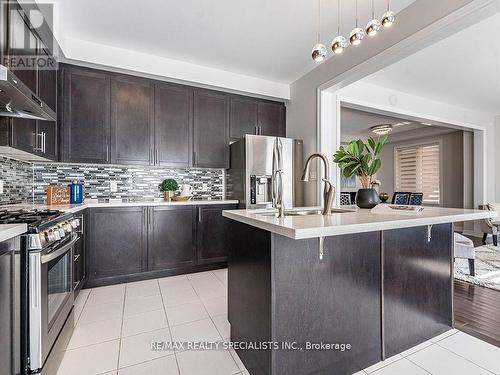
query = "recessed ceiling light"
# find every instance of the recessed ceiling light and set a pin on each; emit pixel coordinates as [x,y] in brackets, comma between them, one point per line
[382,129]
[426,124]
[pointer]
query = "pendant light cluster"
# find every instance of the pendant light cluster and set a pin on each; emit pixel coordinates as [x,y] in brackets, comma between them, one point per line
[340,43]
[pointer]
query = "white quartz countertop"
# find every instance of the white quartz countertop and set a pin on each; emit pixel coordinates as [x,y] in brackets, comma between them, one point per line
[8,231]
[357,221]
[73,208]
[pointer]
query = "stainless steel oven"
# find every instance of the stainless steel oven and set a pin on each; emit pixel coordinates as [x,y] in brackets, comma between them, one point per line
[50,297]
[48,293]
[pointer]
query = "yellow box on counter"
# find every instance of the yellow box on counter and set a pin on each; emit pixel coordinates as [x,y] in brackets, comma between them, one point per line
[58,195]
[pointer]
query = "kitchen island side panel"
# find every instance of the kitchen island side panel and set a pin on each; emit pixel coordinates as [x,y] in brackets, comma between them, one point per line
[331,300]
[249,292]
[418,285]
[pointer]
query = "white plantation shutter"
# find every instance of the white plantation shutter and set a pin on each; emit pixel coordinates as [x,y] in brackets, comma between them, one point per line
[418,170]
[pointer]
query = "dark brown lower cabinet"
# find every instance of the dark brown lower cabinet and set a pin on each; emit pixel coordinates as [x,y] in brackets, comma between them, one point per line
[135,243]
[417,285]
[171,242]
[117,244]
[212,234]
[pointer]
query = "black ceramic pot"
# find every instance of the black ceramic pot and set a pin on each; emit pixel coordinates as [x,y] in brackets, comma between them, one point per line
[367,198]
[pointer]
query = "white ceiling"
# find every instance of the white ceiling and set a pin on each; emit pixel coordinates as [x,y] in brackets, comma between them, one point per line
[268,39]
[358,123]
[463,70]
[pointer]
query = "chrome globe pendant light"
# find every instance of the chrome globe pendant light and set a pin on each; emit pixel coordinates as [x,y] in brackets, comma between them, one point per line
[319,51]
[388,18]
[339,44]
[357,34]
[373,27]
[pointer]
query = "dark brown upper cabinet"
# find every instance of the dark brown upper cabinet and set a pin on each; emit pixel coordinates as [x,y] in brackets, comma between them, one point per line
[255,116]
[211,128]
[132,126]
[85,116]
[244,117]
[47,90]
[23,42]
[272,119]
[173,125]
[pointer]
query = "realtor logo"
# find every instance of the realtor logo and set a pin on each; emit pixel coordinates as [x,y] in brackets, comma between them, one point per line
[30,45]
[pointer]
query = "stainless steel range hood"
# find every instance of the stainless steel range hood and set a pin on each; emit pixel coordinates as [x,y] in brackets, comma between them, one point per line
[17,100]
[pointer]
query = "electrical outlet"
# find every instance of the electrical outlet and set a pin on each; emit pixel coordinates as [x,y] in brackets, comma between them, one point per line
[113,186]
[205,186]
[313,176]
[1,187]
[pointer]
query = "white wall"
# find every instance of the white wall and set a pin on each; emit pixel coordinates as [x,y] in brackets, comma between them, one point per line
[420,24]
[79,51]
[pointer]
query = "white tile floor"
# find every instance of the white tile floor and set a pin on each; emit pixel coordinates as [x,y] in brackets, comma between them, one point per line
[116,324]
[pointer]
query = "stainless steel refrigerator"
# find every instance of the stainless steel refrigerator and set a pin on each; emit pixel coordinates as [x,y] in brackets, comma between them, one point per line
[253,162]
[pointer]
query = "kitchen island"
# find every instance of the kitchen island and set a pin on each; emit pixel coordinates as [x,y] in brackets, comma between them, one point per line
[336,294]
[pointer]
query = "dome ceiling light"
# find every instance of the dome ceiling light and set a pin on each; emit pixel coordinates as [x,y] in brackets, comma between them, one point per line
[340,42]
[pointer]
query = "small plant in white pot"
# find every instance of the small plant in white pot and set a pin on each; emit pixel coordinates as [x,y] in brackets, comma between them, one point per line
[169,186]
[363,160]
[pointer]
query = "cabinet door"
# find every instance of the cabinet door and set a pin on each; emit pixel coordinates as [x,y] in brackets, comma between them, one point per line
[118,243]
[47,80]
[272,119]
[171,238]
[23,45]
[173,125]
[417,285]
[131,121]
[243,118]
[86,116]
[211,123]
[212,234]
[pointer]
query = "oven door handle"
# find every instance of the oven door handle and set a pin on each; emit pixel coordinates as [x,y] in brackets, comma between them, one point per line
[59,252]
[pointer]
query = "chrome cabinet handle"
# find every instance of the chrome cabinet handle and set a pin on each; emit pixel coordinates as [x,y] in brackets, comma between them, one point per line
[157,156]
[199,214]
[44,138]
[107,153]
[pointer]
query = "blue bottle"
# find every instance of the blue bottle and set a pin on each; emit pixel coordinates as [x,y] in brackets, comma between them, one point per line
[77,193]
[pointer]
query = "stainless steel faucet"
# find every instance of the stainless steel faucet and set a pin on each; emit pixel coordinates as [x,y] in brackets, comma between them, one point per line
[329,190]
[277,178]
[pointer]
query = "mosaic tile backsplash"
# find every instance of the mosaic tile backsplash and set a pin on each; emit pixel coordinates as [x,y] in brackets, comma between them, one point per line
[17,177]
[26,182]
[132,182]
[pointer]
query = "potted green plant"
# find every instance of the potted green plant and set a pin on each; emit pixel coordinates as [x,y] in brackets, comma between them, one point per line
[169,186]
[363,160]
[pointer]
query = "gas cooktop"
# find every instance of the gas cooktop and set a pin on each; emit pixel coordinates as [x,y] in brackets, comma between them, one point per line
[33,217]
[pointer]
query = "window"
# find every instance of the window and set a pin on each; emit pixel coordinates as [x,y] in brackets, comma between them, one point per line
[417,169]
